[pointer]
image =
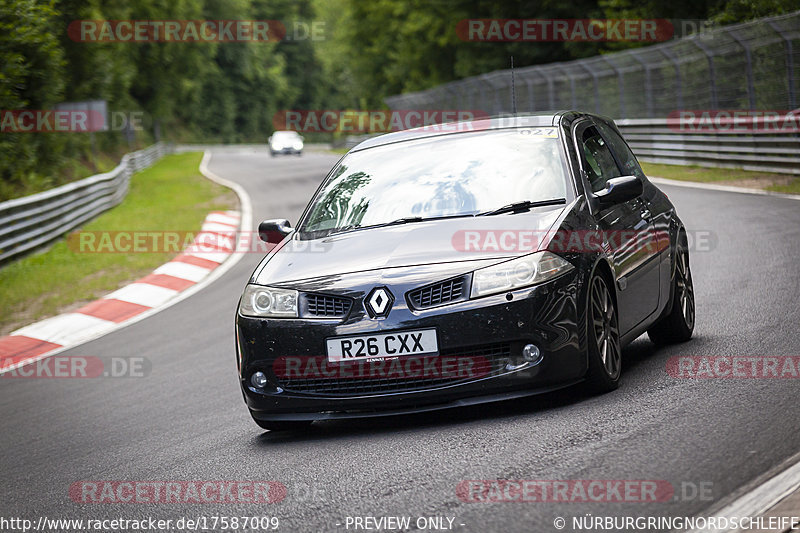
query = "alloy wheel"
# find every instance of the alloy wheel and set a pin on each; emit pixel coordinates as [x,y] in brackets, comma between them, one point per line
[683,280]
[605,327]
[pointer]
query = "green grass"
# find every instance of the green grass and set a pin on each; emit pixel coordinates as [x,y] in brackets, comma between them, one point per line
[745,178]
[73,169]
[172,195]
[791,188]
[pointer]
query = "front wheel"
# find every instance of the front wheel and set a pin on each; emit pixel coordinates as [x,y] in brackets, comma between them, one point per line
[605,351]
[678,325]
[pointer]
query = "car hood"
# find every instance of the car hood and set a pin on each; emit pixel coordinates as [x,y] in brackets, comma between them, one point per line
[421,243]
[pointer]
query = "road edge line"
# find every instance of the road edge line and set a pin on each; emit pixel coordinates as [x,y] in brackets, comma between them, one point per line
[722,188]
[761,498]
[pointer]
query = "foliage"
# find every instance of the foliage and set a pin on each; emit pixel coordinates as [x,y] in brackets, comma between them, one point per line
[229,92]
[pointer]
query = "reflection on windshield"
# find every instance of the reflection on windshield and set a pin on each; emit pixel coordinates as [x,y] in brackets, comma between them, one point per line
[458,175]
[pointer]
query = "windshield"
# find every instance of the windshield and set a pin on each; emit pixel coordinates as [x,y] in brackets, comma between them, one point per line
[285,135]
[461,174]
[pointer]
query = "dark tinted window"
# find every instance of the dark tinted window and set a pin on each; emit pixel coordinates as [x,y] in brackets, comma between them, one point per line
[600,164]
[630,166]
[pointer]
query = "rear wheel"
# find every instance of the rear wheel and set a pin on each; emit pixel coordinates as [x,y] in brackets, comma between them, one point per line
[605,352]
[678,325]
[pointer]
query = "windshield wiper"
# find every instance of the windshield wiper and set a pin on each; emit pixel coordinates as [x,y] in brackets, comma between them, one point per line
[409,220]
[399,221]
[342,229]
[521,207]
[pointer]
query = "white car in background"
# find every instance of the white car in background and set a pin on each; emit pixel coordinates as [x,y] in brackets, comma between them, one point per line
[285,142]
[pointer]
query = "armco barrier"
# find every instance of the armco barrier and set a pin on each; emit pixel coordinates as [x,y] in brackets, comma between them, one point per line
[652,140]
[33,221]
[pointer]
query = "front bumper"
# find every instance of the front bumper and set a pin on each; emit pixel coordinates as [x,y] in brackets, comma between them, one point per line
[550,315]
[288,151]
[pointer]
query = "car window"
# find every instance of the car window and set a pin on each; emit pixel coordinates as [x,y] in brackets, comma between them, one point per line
[630,165]
[459,174]
[600,164]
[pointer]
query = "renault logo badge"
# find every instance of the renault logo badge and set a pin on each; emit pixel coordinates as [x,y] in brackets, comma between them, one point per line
[379,302]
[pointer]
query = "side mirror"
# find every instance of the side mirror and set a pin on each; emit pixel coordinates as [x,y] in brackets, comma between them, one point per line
[273,231]
[619,190]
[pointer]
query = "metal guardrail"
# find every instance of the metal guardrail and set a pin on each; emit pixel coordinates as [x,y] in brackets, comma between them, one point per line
[661,141]
[750,66]
[754,65]
[33,221]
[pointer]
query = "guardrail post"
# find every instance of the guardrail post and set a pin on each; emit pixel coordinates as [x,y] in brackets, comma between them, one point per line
[669,54]
[573,100]
[621,83]
[531,99]
[712,74]
[751,91]
[595,83]
[551,91]
[648,89]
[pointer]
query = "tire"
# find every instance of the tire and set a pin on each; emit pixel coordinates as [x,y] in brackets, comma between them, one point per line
[602,328]
[678,325]
[280,425]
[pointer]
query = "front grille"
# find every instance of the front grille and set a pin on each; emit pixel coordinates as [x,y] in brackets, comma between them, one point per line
[360,379]
[438,293]
[324,306]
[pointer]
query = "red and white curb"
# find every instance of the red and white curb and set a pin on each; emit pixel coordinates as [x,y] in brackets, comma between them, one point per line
[211,254]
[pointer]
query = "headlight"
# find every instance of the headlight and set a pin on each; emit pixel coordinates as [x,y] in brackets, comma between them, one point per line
[517,273]
[260,301]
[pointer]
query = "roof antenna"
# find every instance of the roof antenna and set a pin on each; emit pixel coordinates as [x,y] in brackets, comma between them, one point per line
[513,89]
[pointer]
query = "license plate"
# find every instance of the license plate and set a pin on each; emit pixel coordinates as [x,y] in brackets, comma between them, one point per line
[382,346]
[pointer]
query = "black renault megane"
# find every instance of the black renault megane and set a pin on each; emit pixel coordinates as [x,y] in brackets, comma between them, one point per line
[462,263]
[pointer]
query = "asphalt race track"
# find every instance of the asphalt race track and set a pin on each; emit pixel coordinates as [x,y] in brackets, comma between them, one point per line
[187,421]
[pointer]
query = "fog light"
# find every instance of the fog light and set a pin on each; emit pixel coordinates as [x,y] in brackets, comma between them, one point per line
[532,354]
[258,380]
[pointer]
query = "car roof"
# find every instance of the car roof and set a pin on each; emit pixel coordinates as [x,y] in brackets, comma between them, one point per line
[549,118]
